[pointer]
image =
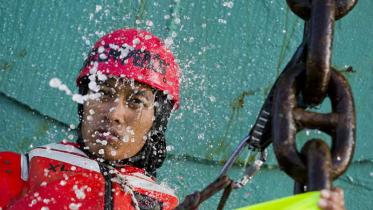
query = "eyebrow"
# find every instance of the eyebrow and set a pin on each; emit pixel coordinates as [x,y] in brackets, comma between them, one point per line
[107,88]
[141,93]
[138,91]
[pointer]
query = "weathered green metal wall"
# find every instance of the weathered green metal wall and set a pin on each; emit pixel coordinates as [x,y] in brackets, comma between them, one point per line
[230,52]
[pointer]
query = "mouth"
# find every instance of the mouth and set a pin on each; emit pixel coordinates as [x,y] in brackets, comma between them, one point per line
[104,136]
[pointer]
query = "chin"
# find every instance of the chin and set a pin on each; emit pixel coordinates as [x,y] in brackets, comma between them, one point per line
[111,153]
[111,158]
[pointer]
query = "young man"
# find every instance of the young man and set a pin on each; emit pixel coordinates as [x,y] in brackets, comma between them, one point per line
[129,85]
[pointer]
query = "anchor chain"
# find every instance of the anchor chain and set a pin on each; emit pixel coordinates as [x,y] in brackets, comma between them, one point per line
[306,84]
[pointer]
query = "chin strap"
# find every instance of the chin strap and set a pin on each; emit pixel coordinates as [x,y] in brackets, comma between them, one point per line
[125,186]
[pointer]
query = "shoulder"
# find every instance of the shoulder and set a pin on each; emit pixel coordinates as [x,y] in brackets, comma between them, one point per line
[65,152]
[56,150]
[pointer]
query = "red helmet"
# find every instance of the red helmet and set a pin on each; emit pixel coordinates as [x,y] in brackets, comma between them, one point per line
[135,54]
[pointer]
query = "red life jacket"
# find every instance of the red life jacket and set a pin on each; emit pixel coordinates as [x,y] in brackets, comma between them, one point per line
[60,176]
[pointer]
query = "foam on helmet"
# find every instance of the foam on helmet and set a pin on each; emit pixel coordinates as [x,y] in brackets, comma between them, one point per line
[134,54]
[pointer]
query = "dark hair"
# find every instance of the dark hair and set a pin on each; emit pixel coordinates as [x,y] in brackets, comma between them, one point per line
[153,153]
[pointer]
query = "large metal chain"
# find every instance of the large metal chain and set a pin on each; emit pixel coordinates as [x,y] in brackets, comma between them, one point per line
[307,84]
[306,80]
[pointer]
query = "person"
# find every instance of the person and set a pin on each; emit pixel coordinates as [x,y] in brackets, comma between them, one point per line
[128,86]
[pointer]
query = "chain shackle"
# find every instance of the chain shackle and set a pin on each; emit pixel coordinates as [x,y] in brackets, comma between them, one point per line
[289,118]
[302,8]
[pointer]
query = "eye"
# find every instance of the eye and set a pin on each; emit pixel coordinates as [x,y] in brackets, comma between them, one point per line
[135,102]
[106,94]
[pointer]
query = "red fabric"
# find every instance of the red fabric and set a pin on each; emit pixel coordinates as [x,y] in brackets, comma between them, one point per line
[11,183]
[78,191]
[156,68]
[56,183]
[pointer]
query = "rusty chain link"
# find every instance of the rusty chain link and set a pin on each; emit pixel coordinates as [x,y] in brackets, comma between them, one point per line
[321,15]
[288,119]
[303,8]
[319,46]
[310,81]
[317,155]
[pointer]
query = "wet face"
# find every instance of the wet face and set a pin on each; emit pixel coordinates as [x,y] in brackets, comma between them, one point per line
[115,125]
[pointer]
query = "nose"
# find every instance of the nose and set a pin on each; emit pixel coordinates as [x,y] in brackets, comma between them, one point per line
[117,113]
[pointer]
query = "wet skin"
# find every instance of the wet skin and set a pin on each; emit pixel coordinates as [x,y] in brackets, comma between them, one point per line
[115,126]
